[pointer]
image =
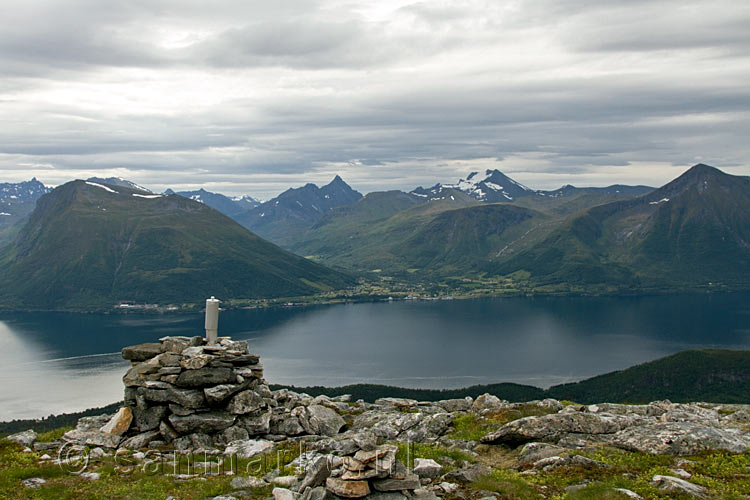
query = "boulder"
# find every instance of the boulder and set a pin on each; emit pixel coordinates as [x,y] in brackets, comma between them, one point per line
[94,438]
[552,427]
[285,481]
[140,441]
[396,402]
[120,422]
[551,463]
[488,402]
[454,405]
[285,424]
[249,482]
[323,421]
[212,421]
[680,439]
[533,452]
[284,494]
[676,485]
[316,474]
[427,468]
[25,438]
[248,448]
[141,352]
[347,489]
[467,474]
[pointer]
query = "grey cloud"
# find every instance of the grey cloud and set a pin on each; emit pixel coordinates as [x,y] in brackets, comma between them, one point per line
[448,86]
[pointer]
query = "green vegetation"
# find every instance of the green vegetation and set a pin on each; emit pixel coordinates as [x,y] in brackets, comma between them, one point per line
[712,375]
[85,248]
[690,233]
[122,479]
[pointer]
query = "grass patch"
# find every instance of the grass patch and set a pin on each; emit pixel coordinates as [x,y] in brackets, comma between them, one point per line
[129,479]
[48,436]
[509,485]
[449,458]
[472,427]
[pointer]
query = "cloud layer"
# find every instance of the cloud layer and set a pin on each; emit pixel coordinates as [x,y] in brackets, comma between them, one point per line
[251,97]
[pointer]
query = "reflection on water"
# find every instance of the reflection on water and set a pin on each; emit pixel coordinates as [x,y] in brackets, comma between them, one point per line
[57,362]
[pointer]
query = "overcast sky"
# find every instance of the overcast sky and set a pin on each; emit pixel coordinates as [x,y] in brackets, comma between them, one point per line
[251,97]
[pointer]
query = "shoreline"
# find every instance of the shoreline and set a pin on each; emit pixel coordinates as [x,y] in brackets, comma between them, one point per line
[314,300]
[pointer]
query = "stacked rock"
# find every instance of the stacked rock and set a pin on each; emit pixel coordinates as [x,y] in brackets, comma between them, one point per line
[372,469]
[193,395]
[364,469]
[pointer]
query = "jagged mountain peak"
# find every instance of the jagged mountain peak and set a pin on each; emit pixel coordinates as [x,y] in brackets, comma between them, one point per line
[494,187]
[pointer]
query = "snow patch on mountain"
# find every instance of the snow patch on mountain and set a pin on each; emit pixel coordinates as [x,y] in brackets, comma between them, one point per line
[101,186]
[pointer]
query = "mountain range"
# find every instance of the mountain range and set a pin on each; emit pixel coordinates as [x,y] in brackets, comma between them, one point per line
[91,245]
[231,207]
[297,209]
[692,233]
[17,200]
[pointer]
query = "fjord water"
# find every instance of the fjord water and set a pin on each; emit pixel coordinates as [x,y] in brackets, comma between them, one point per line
[59,362]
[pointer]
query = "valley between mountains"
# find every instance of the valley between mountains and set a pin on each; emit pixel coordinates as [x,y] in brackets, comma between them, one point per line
[95,244]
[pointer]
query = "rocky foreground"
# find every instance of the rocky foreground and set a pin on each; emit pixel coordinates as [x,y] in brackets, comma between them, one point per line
[185,397]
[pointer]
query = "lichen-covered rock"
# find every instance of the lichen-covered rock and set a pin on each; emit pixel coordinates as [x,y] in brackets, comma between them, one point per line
[488,402]
[533,452]
[316,474]
[467,474]
[680,439]
[247,482]
[454,405]
[427,468]
[94,438]
[248,448]
[141,440]
[676,485]
[25,438]
[322,421]
[551,463]
[246,402]
[552,427]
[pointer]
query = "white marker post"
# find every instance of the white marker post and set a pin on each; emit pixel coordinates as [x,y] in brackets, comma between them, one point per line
[212,320]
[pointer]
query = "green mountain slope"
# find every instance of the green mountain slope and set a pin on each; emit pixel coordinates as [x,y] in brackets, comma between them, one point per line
[714,375]
[694,232]
[88,245]
[449,234]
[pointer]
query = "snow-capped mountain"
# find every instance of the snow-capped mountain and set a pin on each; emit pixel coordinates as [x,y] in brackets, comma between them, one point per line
[17,201]
[492,188]
[118,181]
[224,204]
[13,195]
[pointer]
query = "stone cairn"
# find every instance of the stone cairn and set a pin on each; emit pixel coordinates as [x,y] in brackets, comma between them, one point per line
[193,396]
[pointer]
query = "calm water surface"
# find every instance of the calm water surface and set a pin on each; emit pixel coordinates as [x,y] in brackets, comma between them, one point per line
[58,362]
